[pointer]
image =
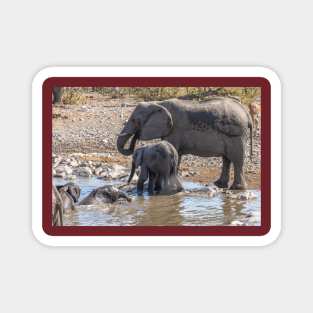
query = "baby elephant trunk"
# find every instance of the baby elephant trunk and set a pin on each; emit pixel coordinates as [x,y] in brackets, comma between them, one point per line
[132,172]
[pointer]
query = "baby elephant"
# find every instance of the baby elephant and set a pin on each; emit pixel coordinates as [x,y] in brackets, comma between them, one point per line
[158,162]
[70,194]
[106,194]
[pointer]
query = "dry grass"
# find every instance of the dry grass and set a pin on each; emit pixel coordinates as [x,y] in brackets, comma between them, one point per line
[72,96]
[81,95]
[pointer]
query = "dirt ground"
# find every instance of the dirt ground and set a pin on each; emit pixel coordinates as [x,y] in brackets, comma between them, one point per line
[92,127]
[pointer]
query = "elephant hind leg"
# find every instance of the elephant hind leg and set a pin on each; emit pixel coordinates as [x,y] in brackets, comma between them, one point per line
[239,180]
[238,161]
[222,182]
[152,179]
[158,184]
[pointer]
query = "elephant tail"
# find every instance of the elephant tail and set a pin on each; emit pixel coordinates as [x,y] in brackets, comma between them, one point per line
[132,172]
[251,139]
[250,126]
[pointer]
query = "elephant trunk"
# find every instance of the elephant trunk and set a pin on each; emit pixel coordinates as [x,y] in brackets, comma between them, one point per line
[132,172]
[121,142]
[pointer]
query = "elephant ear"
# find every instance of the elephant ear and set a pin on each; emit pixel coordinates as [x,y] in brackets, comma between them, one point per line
[158,123]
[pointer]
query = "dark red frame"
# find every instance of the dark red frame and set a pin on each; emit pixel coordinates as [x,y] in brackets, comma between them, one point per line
[157,82]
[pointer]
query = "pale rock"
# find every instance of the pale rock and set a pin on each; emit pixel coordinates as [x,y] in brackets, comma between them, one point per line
[84,171]
[56,161]
[64,169]
[248,195]
[118,171]
[185,173]
[73,163]
[212,191]
[236,223]
[60,175]
[103,174]
[71,177]
[98,171]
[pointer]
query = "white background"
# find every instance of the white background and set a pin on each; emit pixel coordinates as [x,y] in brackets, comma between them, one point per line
[270,33]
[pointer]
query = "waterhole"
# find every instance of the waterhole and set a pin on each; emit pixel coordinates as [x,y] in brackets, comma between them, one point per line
[192,207]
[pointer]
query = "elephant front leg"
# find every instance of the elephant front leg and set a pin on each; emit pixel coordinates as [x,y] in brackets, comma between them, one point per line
[141,180]
[140,184]
[222,182]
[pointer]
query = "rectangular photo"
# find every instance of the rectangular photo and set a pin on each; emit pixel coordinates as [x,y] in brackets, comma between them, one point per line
[156,156]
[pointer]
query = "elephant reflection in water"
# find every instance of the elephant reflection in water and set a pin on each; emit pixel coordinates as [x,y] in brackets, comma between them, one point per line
[233,209]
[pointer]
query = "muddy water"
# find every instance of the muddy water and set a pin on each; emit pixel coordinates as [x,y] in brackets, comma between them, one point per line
[190,208]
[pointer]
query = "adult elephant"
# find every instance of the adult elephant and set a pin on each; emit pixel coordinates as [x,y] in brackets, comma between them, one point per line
[217,127]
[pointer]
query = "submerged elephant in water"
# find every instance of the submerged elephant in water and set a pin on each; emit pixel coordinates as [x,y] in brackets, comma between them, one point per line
[69,193]
[57,207]
[106,194]
[158,162]
[216,127]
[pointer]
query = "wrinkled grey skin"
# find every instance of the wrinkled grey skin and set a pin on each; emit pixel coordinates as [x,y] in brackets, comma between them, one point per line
[217,127]
[158,162]
[69,193]
[106,194]
[57,208]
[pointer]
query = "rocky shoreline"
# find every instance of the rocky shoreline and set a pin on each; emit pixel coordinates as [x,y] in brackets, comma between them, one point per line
[70,166]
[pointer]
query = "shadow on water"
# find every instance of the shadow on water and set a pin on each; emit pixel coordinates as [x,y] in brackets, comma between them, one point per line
[193,207]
